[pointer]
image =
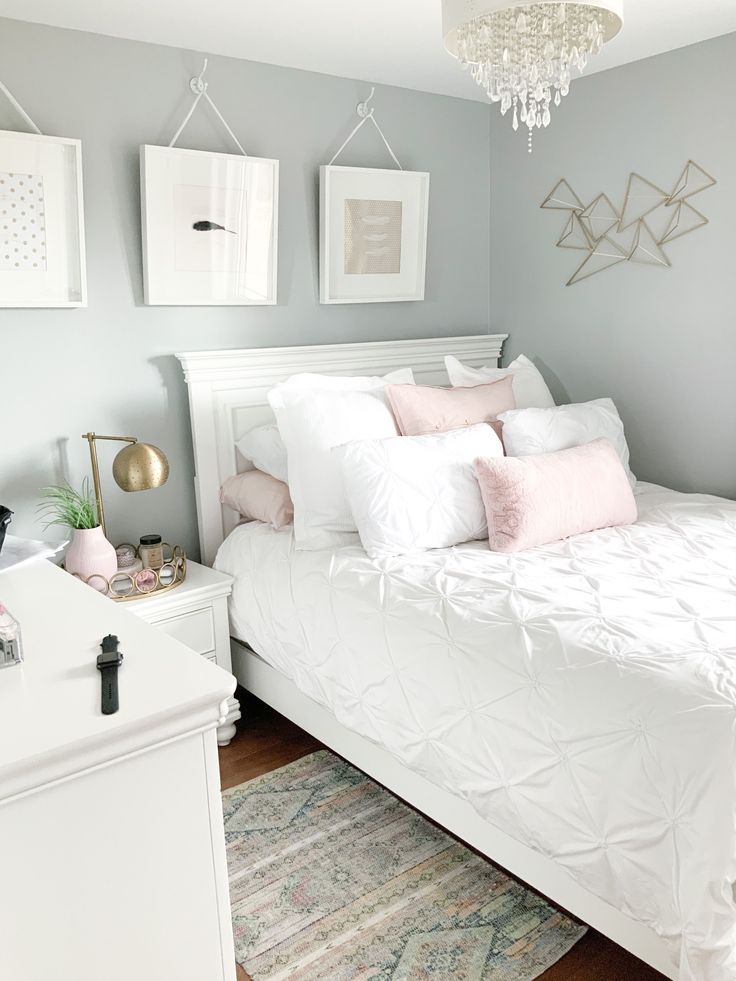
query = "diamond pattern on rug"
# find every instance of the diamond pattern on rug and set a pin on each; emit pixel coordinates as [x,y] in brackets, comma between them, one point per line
[334,879]
[460,954]
[275,810]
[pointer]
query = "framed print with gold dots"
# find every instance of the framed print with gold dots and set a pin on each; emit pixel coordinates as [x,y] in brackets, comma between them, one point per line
[42,257]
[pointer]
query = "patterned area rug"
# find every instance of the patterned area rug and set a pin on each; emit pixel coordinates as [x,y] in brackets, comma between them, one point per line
[334,879]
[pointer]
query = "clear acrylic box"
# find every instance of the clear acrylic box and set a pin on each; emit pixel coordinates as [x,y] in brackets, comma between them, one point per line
[11,648]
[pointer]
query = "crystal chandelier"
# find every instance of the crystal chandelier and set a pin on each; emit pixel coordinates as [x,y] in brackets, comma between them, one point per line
[524,55]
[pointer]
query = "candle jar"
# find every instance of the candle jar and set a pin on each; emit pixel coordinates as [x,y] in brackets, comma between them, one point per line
[11,651]
[151,551]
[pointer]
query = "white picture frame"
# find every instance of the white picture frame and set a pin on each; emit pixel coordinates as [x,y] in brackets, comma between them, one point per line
[42,249]
[209,228]
[388,265]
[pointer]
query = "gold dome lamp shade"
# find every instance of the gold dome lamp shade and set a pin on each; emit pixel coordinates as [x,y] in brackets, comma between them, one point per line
[137,467]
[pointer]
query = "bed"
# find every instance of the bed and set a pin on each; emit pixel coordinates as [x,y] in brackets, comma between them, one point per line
[570,711]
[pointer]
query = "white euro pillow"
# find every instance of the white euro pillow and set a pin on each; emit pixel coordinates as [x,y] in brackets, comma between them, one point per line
[315,413]
[412,493]
[527,432]
[265,449]
[530,389]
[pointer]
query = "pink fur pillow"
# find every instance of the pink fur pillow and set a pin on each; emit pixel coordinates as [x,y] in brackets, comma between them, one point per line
[258,497]
[535,500]
[421,409]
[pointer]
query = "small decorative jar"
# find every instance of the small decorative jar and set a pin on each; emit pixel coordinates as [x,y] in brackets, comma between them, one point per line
[151,551]
[128,562]
[11,651]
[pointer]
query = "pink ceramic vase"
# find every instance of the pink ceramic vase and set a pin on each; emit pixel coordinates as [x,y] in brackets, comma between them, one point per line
[90,554]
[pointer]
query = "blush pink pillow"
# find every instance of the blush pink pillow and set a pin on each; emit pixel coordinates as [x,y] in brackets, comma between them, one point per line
[421,409]
[535,500]
[258,497]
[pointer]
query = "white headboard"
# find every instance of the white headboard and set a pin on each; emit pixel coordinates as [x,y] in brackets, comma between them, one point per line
[227,396]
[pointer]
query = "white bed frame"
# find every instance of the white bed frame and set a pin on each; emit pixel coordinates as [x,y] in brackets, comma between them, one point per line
[227,396]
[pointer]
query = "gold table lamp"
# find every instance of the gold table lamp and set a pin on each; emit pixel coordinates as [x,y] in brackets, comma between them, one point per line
[137,467]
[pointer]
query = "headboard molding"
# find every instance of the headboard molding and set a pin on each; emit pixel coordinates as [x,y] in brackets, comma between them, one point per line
[228,389]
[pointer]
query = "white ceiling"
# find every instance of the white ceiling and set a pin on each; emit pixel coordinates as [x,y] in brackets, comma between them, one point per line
[395,42]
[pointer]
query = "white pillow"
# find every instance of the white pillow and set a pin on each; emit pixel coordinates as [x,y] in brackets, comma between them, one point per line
[315,413]
[527,432]
[411,493]
[530,389]
[265,449]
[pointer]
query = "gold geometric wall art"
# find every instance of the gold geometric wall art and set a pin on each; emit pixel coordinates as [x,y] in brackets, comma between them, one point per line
[650,218]
[599,217]
[641,197]
[562,198]
[685,219]
[646,248]
[604,254]
[693,180]
[575,236]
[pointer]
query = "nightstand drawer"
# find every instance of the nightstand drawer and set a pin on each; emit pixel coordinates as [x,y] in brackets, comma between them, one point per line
[195,629]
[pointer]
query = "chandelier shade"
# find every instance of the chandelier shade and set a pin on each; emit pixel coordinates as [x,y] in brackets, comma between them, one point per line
[525,54]
[457,13]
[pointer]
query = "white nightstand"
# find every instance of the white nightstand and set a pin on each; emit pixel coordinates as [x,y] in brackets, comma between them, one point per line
[195,613]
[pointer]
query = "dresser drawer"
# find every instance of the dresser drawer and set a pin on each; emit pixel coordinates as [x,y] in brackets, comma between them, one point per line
[196,629]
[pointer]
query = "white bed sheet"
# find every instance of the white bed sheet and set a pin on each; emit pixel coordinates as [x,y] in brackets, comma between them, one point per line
[581,696]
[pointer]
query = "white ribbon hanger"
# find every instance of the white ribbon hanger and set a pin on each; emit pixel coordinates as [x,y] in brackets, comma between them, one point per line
[367,114]
[199,88]
[19,108]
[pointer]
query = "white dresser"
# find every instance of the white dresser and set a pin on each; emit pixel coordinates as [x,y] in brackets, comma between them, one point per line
[112,850]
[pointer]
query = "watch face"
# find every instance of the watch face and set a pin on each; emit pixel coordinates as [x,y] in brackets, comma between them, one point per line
[109,660]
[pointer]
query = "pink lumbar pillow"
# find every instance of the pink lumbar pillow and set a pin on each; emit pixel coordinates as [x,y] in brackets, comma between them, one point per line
[535,500]
[258,497]
[421,409]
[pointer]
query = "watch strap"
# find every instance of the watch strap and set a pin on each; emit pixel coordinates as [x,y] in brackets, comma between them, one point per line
[109,680]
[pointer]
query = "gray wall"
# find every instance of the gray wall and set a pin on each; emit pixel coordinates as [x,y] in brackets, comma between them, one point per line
[110,367]
[661,342]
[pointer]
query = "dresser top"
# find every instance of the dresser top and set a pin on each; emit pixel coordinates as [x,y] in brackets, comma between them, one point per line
[51,725]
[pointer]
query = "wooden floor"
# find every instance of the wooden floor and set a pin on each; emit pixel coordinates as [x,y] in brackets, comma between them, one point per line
[267,740]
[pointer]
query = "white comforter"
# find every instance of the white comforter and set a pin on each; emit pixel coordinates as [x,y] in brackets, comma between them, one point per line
[581,696]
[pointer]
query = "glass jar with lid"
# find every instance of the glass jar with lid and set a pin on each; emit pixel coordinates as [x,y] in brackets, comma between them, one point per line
[151,551]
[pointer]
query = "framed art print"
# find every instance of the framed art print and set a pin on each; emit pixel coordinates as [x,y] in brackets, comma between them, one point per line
[373,235]
[42,258]
[210,225]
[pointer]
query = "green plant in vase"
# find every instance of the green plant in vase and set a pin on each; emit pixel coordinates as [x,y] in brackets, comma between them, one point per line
[68,507]
[89,554]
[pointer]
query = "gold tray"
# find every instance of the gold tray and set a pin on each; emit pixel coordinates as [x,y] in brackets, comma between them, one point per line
[126,587]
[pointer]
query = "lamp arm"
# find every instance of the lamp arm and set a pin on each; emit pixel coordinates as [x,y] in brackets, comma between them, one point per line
[116,439]
[91,439]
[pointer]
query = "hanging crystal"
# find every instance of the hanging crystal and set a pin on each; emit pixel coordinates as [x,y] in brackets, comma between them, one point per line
[525,56]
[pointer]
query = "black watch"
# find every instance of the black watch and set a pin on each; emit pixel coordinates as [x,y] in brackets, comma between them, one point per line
[107,664]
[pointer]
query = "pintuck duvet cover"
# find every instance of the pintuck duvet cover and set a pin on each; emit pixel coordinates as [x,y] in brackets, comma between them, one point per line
[581,696]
